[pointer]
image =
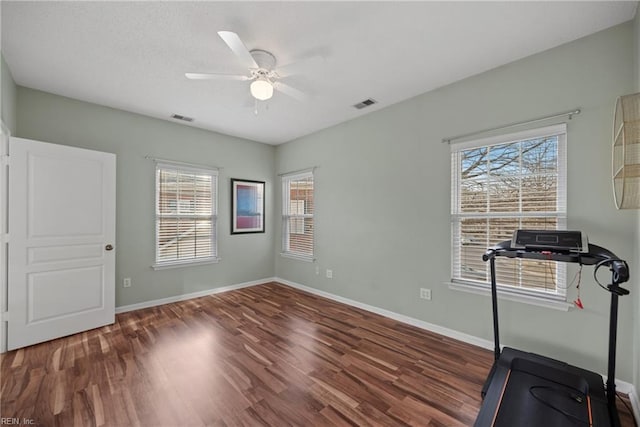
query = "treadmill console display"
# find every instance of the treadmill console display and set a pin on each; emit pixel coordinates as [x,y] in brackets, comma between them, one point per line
[550,240]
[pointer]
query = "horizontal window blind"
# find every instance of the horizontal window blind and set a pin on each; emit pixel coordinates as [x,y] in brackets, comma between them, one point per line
[500,185]
[186,214]
[297,214]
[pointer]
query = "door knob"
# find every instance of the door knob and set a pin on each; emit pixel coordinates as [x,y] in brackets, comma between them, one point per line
[109,247]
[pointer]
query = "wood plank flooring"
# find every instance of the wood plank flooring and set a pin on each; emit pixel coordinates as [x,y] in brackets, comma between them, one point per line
[266,355]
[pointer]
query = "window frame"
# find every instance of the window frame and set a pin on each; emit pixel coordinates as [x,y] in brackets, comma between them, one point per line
[557,299]
[287,179]
[187,169]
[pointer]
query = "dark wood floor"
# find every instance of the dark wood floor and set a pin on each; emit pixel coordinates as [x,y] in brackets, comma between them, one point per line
[265,355]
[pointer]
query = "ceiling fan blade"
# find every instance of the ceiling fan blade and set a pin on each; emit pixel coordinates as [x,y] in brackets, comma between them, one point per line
[300,66]
[237,46]
[291,91]
[210,76]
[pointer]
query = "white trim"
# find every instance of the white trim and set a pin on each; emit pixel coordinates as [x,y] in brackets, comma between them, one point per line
[293,255]
[184,165]
[5,135]
[460,336]
[213,217]
[512,296]
[635,402]
[183,297]
[458,217]
[185,263]
[628,389]
[187,168]
[621,386]
[302,173]
[285,183]
[511,137]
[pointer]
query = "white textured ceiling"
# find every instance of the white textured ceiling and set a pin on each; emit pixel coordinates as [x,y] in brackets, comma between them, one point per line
[133,55]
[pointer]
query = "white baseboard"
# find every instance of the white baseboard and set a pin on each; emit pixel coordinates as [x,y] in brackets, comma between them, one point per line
[183,297]
[621,386]
[460,336]
[635,403]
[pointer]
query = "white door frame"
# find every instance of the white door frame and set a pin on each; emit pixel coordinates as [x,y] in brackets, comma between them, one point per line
[5,134]
[61,259]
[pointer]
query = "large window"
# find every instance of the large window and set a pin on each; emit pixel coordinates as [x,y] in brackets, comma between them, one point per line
[186,214]
[297,215]
[502,184]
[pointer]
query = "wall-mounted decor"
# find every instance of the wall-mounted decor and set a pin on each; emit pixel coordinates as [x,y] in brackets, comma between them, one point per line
[247,206]
[626,152]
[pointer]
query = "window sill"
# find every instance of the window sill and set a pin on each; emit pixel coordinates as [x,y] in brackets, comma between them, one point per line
[179,264]
[305,258]
[512,296]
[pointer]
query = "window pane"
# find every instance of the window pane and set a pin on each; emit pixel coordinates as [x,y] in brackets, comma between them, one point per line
[202,201]
[473,195]
[539,193]
[495,192]
[301,194]
[474,163]
[298,210]
[504,160]
[477,234]
[302,242]
[473,244]
[540,156]
[185,222]
[504,193]
[168,192]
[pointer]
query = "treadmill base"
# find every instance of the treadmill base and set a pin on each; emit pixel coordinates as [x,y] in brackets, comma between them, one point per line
[526,389]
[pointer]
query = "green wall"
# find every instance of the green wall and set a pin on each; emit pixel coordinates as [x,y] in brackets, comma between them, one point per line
[383,203]
[383,198]
[46,117]
[636,25]
[636,335]
[8,97]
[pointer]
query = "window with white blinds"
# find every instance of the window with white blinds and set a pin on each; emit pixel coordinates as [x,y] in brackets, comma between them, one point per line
[297,215]
[501,184]
[186,214]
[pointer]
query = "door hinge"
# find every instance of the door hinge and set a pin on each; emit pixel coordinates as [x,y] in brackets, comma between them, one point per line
[4,238]
[4,316]
[4,160]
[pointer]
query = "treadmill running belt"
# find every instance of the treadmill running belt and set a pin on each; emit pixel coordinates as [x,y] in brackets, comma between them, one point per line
[535,400]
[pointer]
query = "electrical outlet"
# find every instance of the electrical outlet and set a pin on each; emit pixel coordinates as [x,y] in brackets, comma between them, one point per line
[126,282]
[425,293]
[329,274]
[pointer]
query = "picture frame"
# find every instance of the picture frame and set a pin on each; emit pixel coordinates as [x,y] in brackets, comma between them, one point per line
[247,206]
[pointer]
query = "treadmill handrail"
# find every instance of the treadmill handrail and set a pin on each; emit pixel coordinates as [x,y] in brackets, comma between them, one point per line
[597,254]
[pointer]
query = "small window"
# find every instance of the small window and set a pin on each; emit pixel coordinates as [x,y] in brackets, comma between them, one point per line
[186,215]
[297,215]
[501,184]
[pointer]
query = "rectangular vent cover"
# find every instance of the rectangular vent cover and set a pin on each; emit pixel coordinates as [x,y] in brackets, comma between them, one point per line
[365,103]
[183,118]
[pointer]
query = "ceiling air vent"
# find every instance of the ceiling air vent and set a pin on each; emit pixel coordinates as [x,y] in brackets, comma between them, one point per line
[183,118]
[365,103]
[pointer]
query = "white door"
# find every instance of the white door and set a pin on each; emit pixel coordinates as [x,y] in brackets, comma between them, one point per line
[61,241]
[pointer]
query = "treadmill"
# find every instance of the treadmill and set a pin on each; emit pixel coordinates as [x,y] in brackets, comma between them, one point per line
[529,390]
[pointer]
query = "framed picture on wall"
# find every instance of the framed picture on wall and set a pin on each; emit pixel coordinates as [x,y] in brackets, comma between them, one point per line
[247,206]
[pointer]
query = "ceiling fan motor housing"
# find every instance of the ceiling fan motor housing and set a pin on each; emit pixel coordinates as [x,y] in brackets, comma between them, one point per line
[264,59]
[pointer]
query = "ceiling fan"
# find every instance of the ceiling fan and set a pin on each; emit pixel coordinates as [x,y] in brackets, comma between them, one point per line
[262,73]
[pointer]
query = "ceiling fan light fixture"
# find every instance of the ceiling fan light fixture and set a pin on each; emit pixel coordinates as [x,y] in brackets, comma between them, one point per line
[261,89]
